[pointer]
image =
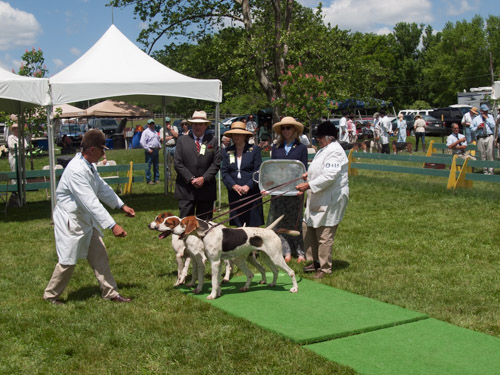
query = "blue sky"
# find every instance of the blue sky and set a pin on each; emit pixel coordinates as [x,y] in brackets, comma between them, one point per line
[65,29]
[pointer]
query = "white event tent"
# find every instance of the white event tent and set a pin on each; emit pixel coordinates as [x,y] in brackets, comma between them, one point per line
[19,92]
[116,68]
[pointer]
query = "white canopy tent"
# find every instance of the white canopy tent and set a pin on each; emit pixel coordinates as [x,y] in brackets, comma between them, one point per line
[17,93]
[116,68]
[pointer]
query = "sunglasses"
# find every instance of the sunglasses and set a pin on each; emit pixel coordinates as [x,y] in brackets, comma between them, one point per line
[286,127]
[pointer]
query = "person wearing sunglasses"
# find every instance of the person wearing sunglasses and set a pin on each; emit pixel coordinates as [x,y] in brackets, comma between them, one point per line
[79,218]
[288,146]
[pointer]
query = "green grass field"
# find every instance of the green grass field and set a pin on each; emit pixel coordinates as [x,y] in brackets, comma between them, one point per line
[405,240]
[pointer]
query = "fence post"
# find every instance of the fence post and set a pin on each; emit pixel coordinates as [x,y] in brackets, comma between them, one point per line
[130,175]
[351,171]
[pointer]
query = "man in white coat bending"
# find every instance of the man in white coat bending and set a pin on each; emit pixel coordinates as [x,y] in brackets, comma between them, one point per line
[79,217]
[327,189]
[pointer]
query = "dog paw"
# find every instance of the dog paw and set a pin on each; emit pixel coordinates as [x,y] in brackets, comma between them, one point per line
[244,289]
[294,290]
[210,296]
[225,281]
[272,285]
[263,282]
[197,291]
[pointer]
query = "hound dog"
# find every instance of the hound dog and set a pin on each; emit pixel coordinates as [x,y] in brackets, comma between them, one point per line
[400,146]
[226,243]
[190,249]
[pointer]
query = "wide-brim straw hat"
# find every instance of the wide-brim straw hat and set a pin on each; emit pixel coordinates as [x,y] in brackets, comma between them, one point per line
[474,110]
[237,127]
[199,117]
[288,121]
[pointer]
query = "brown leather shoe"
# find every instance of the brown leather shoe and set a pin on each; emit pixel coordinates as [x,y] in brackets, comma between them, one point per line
[319,275]
[119,298]
[313,267]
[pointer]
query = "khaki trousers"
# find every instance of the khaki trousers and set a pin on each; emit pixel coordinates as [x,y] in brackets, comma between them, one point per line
[98,260]
[318,243]
[485,147]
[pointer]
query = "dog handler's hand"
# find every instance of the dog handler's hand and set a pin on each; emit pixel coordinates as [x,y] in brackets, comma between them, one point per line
[118,231]
[303,187]
[128,211]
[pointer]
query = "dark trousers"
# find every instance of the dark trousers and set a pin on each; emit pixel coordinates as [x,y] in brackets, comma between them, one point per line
[417,139]
[202,209]
[385,148]
[153,159]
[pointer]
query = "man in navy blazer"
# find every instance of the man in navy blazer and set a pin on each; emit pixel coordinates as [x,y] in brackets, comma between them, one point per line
[197,161]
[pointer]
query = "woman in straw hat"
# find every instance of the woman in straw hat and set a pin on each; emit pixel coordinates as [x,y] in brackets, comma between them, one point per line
[288,146]
[239,162]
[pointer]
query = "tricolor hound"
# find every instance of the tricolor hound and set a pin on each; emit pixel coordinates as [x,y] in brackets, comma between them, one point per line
[224,243]
[190,249]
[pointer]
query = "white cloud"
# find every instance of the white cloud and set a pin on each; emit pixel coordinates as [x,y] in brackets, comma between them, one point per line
[75,51]
[376,16]
[458,7]
[58,62]
[19,28]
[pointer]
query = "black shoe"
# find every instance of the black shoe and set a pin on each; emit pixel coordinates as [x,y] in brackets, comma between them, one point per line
[313,267]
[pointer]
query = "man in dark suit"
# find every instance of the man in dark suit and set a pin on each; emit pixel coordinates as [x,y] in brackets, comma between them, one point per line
[197,161]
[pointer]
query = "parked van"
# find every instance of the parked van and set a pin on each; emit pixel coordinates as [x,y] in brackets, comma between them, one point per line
[414,112]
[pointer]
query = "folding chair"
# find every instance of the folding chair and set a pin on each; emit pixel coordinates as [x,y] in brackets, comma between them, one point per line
[109,179]
[4,178]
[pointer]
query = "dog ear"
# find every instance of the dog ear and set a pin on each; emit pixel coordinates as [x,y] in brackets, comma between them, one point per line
[172,222]
[190,224]
[202,226]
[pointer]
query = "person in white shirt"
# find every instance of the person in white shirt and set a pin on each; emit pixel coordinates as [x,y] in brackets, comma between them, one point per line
[386,131]
[457,143]
[151,143]
[343,135]
[483,126]
[467,122]
[327,189]
[79,217]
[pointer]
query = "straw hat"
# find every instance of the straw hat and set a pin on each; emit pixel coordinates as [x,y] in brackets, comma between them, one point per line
[199,117]
[474,110]
[238,127]
[288,121]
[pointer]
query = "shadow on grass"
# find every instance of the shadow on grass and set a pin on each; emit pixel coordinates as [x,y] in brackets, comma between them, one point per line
[139,202]
[89,292]
[338,264]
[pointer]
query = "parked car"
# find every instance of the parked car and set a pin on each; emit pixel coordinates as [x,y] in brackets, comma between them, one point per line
[72,131]
[108,125]
[449,115]
[434,126]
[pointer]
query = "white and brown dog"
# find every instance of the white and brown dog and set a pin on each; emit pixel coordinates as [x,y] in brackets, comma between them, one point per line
[227,243]
[190,249]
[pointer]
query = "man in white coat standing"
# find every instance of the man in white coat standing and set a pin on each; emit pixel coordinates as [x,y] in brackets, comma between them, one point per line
[327,189]
[79,217]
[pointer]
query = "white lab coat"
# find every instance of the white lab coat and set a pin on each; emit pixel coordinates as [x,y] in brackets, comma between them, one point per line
[329,187]
[386,127]
[78,209]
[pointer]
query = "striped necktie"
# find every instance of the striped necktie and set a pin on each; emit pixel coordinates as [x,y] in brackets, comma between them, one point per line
[198,146]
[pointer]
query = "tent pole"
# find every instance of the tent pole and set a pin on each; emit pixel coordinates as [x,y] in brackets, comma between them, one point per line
[52,171]
[217,133]
[166,176]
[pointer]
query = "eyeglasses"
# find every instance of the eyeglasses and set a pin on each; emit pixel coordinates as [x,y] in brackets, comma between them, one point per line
[286,127]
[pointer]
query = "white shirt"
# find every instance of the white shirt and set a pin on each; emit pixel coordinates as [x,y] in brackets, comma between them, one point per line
[329,187]
[386,129]
[343,136]
[78,209]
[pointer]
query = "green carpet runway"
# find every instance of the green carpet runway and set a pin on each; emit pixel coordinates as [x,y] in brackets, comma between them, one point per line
[370,336]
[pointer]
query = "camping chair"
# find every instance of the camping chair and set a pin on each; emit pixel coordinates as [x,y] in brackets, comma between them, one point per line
[109,179]
[45,179]
[4,178]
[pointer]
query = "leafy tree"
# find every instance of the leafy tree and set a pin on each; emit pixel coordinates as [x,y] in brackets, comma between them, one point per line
[459,60]
[33,66]
[267,32]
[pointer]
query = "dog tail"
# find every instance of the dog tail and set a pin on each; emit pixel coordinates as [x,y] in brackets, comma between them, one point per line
[275,222]
[288,231]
